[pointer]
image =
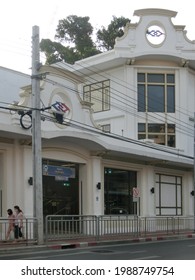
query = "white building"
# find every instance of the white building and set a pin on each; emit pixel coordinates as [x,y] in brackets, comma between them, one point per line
[126,141]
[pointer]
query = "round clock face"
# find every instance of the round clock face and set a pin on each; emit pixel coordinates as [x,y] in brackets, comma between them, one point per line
[155,35]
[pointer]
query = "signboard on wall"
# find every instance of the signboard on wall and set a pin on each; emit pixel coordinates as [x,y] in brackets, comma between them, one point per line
[58,171]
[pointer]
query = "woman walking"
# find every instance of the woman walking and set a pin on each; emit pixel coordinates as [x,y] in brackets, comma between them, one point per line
[19,216]
[11,226]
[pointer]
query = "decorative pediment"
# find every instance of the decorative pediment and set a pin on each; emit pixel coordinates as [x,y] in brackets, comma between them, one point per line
[155,34]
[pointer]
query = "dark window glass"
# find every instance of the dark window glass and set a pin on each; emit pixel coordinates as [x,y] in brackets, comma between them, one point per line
[171,128]
[170,99]
[156,78]
[170,78]
[171,140]
[156,100]
[141,77]
[118,191]
[157,128]
[141,136]
[141,127]
[141,98]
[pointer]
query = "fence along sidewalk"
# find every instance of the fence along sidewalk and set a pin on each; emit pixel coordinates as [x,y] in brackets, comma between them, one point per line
[28,230]
[88,227]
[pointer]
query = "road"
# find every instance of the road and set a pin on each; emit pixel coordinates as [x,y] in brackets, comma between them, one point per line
[159,250]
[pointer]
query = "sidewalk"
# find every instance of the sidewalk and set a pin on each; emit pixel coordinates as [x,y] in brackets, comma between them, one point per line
[76,243]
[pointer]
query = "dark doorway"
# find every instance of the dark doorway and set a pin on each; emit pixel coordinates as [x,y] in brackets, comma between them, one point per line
[118,191]
[60,188]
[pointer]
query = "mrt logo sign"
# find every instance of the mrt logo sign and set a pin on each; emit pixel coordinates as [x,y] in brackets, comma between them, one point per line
[61,107]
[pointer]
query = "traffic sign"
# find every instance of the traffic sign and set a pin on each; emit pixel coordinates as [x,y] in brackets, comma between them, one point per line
[136,192]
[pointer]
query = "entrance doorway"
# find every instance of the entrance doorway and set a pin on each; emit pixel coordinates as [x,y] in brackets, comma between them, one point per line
[118,191]
[60,188]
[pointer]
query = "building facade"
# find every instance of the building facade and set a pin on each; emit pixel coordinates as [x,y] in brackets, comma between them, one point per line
[117,128]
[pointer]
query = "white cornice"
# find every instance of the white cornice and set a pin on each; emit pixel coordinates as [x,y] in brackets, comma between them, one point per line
[153,11]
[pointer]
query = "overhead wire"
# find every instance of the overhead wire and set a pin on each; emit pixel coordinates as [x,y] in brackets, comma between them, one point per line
[155,116]
[133,101]
[126,107]
[124,101]
[91,129]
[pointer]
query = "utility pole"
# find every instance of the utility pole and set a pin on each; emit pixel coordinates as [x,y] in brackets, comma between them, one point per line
[193,192]
[194,171]
[36,138]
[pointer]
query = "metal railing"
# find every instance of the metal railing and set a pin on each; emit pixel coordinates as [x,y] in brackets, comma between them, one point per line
[70,227]
[95,228]
[27,230]
[113,226]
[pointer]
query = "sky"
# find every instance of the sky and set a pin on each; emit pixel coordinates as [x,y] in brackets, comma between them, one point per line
[17,18]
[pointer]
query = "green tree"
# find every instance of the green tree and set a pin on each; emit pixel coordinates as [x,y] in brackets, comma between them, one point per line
[56,52]
[74,39]
[106,37]
[78,31]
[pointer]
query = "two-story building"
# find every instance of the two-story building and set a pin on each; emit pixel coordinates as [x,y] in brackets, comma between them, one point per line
[124,144]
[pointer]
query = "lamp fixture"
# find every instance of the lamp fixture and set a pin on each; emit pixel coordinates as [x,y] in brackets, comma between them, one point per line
[30,181]
[98,186]
[152,190]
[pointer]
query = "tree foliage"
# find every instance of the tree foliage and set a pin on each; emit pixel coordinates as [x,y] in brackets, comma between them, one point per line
[106,37]
[74,39]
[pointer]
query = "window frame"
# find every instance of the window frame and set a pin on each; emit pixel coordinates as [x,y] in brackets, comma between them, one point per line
[100,103]
[167,133]
[146,83]
[176,186]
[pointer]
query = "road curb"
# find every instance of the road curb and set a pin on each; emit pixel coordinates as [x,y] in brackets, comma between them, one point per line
[71,244]
[84,244]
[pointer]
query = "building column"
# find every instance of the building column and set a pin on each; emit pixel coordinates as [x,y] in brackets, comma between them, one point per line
[96,185]
[91,179]
[147,182]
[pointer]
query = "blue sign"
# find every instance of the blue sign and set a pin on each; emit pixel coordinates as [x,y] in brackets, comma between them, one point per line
[61,171]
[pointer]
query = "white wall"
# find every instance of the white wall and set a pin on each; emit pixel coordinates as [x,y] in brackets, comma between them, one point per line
[10,83]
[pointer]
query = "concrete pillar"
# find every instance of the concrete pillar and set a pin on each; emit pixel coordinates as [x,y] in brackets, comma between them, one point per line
[147,182]
[96,187]
[90,180]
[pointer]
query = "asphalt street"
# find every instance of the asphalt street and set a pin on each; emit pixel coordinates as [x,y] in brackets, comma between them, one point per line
[183,249]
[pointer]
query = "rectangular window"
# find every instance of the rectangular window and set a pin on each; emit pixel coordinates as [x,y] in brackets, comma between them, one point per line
[98,94]
[170,99]
[156,92]
[156,100]
[141,98]
[106,128]
[163,134]
[168,193]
